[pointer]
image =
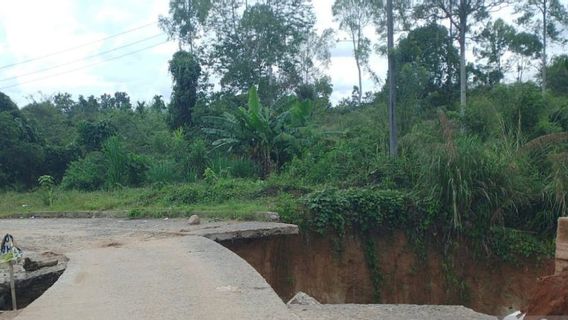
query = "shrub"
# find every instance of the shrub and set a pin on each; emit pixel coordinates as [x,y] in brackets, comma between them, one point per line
[164,171]
[86,174]
[362,209]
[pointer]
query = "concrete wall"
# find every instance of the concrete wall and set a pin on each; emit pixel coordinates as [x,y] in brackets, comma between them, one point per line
[562,245]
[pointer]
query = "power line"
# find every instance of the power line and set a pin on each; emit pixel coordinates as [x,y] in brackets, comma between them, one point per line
[77,47]
[82,59]
[84,67]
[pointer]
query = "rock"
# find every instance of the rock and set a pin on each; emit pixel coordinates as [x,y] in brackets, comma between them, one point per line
[194,220]
[303,299]
[33,264]
[268,216]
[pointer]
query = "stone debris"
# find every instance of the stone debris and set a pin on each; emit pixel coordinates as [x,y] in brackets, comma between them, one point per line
[268,216]
[303,299]
[31,264]
[386,312]
[194,220]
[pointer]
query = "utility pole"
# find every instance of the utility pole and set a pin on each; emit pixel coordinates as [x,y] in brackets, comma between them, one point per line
[392,81]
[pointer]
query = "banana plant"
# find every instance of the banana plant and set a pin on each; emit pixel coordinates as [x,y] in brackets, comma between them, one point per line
[258,131]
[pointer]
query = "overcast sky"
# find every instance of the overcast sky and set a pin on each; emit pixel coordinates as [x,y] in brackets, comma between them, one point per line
[34,28]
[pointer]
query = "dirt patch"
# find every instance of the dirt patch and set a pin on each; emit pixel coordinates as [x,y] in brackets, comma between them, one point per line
[550,298]
[112,244]
[336,272]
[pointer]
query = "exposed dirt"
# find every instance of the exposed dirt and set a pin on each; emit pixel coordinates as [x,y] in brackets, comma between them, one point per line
[550,298]
[332,273]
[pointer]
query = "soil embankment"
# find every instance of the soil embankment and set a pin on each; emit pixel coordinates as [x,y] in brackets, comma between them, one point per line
[336,272]
[550,298]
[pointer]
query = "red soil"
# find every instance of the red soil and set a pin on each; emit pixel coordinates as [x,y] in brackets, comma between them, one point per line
[550,298]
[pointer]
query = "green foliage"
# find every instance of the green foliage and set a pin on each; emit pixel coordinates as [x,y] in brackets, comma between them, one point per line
[87,173]
[91,135]
[511,245]
[163,171]
[259,44]
[266,137]
[212,190]
[47,184]
[364,210]
[185,70]
[186,19]
[21,151]
[117,161]
[557,74]
[427,64]
[353,17]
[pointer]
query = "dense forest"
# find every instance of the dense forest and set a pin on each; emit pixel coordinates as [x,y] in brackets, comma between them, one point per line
[482,146]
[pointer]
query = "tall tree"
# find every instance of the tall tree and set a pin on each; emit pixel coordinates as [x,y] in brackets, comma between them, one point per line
[185,70]
[525,47]
[185,21]
[462,15]
[546,18]
[353,17]
[493,42]
[558,75]
[315,55]
[259,43]
[21,151]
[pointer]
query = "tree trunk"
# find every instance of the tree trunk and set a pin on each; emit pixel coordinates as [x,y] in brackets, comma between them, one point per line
[392,82]
[544,46]
[360,82]
[463,77]
[357,61]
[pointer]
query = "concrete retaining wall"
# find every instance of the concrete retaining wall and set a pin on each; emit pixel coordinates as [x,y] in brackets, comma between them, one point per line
[562,245]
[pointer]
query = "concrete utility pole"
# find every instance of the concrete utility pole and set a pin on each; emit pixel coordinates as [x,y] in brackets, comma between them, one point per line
[392,81]
[463,77]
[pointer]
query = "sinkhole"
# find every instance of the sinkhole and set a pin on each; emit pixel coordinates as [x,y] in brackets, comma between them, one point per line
[34,275]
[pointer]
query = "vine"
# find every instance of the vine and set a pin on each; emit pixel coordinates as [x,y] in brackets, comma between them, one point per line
[373,265]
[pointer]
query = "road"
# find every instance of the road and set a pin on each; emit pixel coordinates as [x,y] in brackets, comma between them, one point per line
[165,269]
[178,278]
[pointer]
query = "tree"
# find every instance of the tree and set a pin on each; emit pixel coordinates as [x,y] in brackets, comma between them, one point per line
[185,70]
[462,16]
[546,18]
[525,48]
[493,42]
[64,102]
[265,136]
[21,151]
[558,75]
[353,17]
[185,21]
[122,101]
[426,78]
[259,44]
[315,49]
[158,105]
[50,122]
[91,135]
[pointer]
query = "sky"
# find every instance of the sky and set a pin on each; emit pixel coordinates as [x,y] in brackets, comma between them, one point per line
[55,46]
[57,25]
